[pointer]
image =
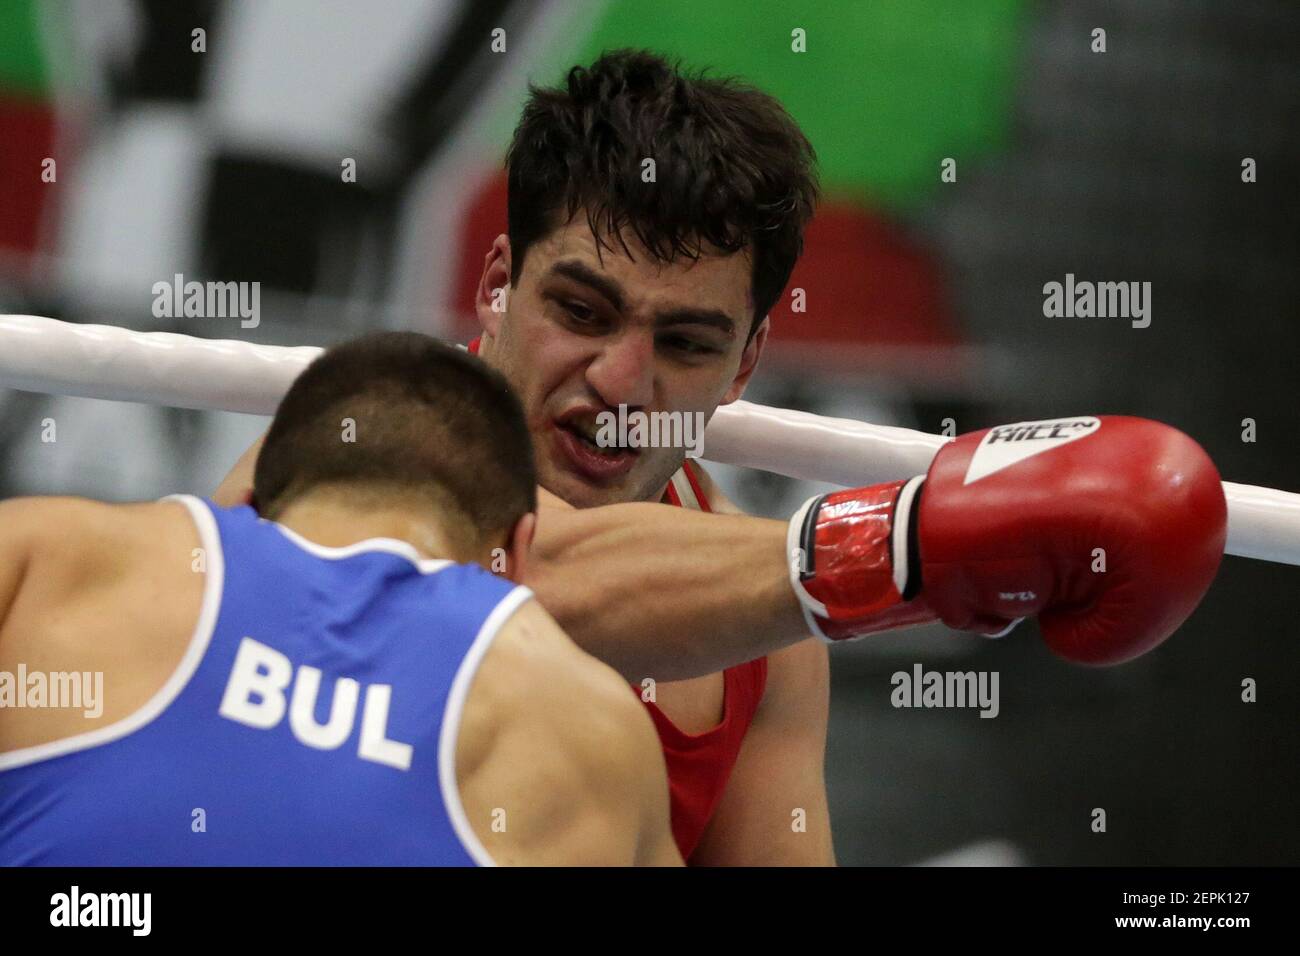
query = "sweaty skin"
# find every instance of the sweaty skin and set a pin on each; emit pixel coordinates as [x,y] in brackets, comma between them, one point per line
[87,586]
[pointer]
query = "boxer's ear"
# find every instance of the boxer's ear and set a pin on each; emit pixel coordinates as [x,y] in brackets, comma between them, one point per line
[493,294]
[748,362]
[518,544]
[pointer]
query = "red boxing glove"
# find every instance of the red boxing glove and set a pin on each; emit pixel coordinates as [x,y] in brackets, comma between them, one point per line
[1109,529]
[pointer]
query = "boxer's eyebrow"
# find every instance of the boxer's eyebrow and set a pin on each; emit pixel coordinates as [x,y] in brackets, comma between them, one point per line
[585,275]
[690,316]
[611,290]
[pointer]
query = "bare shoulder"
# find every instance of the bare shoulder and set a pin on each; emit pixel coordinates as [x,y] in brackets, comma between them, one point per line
[37,516]
[555,753]
[90,538]
[100,588]
[534,673]
[90,518]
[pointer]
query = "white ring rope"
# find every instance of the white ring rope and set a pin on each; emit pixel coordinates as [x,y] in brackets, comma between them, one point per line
[161,368]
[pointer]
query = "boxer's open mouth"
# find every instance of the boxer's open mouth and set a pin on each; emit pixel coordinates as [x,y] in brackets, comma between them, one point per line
[589,433]
[578,437]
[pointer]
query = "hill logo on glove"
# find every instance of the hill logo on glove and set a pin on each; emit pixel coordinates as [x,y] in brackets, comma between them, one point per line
[1007,445]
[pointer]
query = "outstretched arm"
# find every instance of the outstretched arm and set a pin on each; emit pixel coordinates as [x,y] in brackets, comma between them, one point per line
[649,589]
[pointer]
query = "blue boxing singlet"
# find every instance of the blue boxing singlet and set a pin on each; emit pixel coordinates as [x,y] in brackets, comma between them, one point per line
[311,722]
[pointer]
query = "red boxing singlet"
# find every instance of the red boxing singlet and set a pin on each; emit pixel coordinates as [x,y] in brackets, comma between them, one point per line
[700,765]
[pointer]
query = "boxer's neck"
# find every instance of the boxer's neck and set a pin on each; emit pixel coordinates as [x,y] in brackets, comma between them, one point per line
[333,523]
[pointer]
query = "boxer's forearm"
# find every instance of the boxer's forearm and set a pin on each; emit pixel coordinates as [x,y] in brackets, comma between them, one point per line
[664,592]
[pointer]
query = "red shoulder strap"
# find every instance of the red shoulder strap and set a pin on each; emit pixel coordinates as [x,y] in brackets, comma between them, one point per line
[688,469]
[685,491]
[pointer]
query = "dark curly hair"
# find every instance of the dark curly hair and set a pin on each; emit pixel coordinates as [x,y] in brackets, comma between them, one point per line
[733,170]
